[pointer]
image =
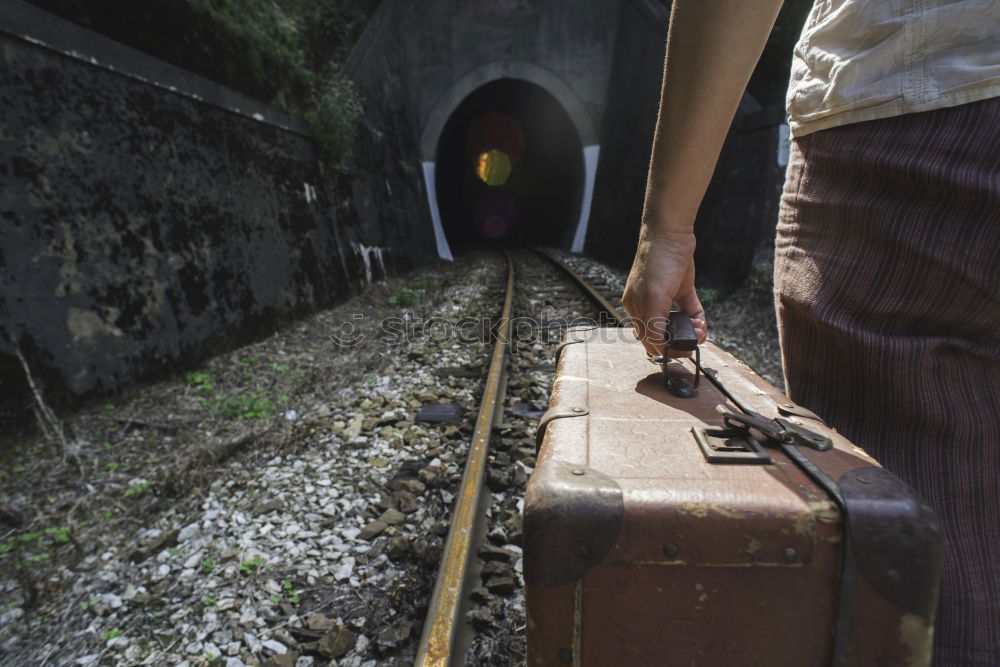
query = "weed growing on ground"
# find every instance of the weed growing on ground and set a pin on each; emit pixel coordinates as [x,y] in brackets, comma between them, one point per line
[247,406]
[404,297]
[289,591]
[201,382]
[136,490]
[58,533]
[250,566]
[250,406]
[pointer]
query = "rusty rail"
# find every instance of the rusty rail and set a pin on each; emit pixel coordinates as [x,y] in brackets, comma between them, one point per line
[444,620]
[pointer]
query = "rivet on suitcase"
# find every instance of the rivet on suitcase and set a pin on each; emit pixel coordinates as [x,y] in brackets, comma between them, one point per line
[660,531]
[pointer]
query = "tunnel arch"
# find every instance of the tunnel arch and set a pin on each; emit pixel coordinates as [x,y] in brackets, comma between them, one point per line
[524,71]
[529,76]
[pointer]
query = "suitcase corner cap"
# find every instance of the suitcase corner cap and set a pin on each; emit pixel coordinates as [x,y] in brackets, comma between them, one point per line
[572,517]
[896,538]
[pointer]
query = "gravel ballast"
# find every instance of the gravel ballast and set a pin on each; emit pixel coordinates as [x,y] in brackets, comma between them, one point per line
[286,503]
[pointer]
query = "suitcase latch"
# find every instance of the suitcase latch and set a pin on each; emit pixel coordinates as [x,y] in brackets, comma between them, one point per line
[729,445]
[779,429]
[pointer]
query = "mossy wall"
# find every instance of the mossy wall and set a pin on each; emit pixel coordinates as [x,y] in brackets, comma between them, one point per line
[142,229]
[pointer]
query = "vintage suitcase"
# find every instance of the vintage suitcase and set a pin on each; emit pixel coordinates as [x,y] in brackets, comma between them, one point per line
[659,531]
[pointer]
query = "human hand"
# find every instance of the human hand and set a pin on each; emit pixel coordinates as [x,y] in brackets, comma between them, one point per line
[662,273]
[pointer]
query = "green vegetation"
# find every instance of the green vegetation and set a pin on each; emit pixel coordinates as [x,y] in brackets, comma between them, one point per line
[250,566]
[418,283]
[410,293]
[253,405]
[59,534]
[36,547]
[404,297]
[285,53]
[250,406]
[201,382]
[208,565]
[334,119]
[289,591]
[111,634]
[136,490]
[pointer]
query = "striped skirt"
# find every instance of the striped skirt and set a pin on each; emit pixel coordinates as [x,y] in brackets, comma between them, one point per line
[887,287]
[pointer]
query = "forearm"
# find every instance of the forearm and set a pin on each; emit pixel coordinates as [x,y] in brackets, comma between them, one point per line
[712,48]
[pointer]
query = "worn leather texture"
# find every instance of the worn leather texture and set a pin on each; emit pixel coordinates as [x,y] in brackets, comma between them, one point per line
[709,564]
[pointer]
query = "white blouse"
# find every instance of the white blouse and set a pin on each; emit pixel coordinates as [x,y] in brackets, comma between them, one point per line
[859,60]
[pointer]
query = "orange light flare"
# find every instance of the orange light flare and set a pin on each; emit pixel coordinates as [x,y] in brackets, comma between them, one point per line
[493,167]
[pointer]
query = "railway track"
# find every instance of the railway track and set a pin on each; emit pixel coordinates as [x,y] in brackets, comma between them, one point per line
[543,296]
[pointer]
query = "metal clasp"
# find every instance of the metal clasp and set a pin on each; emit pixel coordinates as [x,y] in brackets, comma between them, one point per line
[778,429]
[678,385]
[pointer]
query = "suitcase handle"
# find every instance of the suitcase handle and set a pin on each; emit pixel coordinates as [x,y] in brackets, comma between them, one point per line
[681,336]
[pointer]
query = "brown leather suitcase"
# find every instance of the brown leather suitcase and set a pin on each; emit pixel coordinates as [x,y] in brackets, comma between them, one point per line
[659,531]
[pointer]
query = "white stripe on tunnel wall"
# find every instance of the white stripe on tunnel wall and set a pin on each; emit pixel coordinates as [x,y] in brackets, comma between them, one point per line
[590,154]
[444,251]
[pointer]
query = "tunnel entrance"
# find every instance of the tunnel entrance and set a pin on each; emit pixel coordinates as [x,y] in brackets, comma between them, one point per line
[509,165]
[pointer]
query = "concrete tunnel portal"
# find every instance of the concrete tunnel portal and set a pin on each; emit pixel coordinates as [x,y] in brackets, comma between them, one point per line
[510,164]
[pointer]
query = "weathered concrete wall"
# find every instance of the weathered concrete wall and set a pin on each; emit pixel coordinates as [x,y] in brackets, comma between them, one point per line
[148,217]
[740,207]
[141,228]
[386,190]
[455,46]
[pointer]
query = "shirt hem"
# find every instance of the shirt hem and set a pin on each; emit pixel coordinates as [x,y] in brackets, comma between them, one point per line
[895,107]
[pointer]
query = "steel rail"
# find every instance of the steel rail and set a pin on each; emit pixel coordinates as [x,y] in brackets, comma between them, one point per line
[619,316]
[443,619]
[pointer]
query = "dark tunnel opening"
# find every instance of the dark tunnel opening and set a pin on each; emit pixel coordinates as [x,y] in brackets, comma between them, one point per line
[509,166]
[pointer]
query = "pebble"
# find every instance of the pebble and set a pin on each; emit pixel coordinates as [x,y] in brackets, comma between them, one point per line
[313,516]
[337,642]
[344,569]
[187,532]
[373,529]
[392,517]
[274,646]
[251,641]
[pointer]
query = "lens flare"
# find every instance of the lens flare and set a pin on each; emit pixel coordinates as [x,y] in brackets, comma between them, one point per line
[493,167]
[495,216]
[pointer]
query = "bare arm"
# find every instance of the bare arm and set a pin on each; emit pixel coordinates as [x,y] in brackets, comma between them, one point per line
[712,48]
